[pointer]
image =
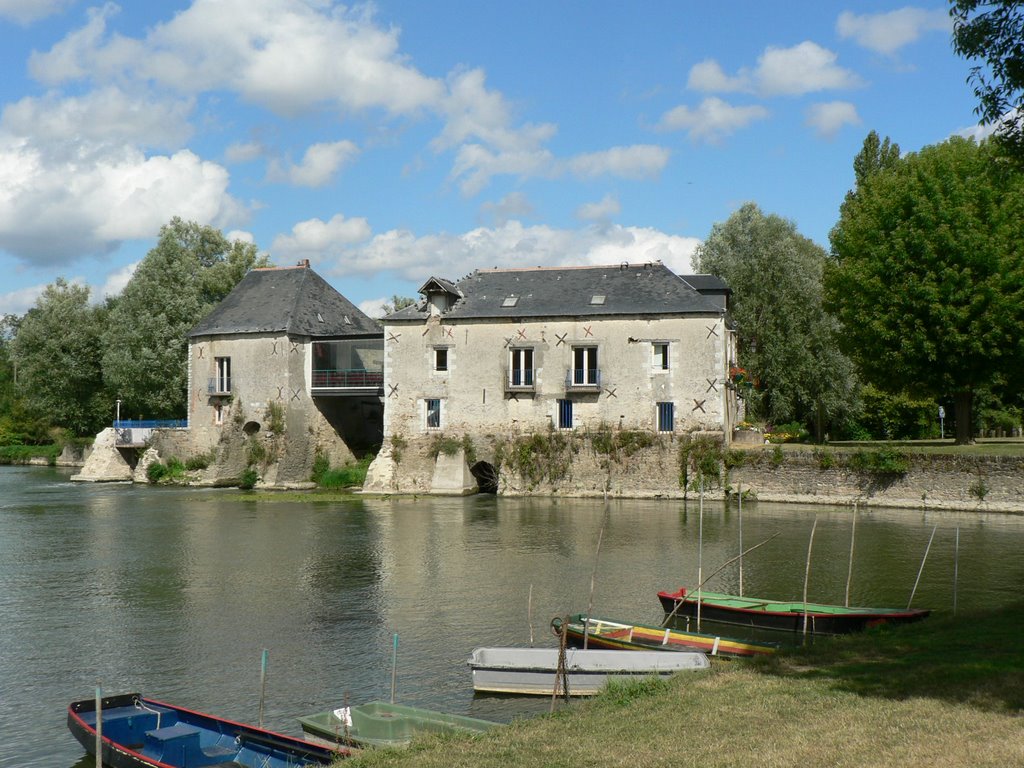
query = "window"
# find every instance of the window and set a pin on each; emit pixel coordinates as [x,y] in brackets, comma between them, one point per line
[666,417]
[433,414]
[584,366]
[565,414]
[510,301]
[222,380]
[660,359]
[441,358]
[521,368]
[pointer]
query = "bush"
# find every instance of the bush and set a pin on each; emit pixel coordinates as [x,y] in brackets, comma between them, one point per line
[156,472]
[321,464]
[248,479]
[792,432]
[884,461]
[202,461]
[348,476]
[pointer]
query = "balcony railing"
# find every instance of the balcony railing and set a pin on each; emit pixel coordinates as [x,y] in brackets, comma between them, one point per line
[583,378]
[519,380]
[218,385]
[347,379]
[139,431]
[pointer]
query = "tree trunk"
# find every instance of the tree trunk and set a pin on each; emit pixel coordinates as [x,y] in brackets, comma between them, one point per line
[962,408]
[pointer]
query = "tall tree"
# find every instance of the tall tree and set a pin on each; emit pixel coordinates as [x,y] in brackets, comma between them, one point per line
[993,31]
[57,351]
[927,278]
[191,268]
[785,339]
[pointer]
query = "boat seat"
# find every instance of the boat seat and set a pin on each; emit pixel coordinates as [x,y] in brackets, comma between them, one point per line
[179,743]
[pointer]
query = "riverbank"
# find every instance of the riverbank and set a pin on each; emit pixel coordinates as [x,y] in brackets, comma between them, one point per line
[943,692]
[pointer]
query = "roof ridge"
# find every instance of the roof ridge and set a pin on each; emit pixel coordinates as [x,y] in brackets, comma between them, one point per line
[620,265]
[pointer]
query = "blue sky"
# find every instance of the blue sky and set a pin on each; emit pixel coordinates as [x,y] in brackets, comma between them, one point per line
[399,140]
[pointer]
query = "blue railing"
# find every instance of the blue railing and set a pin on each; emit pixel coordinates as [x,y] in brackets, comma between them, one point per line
[581,378]
[218,385]
[151,424]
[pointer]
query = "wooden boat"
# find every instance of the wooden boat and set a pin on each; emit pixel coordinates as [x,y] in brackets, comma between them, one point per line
[534,670]
[138,732]
[755,612]
[380,724]
[614,635]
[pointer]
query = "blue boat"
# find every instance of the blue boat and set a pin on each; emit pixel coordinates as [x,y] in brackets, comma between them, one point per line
[138,732]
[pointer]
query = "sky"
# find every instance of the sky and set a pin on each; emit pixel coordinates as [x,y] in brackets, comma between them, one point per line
[399,140]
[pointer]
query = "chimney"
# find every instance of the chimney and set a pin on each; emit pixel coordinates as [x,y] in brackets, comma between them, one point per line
[303,263]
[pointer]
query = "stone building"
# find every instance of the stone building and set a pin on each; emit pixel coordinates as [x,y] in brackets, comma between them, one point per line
[284,367]
[519,351]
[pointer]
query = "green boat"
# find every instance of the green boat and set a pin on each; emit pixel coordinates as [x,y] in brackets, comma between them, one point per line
[379,724]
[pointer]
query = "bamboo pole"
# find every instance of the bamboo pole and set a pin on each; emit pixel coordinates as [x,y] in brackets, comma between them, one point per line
[99,727]
[529,613]
[921,569]
[956,566]
[394,667]
[593,577]
[263,683]
[700,551]
[849,570]
[807,572]
[739,490]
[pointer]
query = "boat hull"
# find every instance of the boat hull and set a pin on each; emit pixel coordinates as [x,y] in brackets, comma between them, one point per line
[380,724]
[614,635]
[534,671]
[138,732]
[777,615]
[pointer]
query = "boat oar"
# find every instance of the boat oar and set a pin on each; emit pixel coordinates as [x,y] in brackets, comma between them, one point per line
[721,568]
[921,569]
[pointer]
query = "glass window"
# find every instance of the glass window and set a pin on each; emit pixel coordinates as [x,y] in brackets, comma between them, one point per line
[441,359]
[565,414]
[521,368]
[660,360]
[433,414]
[584,366]
[222,382]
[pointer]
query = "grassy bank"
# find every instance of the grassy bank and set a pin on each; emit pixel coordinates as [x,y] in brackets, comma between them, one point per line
[24,454]
[943,692]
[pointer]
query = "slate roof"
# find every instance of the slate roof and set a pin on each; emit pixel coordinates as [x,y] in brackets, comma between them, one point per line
[291,300]
[628,289]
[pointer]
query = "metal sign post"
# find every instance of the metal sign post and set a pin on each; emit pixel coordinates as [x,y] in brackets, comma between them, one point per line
[942,424]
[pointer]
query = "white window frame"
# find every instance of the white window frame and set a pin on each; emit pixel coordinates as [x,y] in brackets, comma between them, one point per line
[520,355]
[661,355]
[590,356]
[222,375]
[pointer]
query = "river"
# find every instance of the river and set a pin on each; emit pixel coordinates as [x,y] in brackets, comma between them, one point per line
[176,592]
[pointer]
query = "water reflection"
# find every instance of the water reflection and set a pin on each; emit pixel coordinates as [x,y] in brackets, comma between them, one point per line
[176,592]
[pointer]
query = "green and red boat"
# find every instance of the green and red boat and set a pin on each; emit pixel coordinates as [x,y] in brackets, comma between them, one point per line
[616,635]
[785,616]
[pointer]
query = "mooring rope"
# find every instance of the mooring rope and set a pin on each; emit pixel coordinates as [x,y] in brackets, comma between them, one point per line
[157,712]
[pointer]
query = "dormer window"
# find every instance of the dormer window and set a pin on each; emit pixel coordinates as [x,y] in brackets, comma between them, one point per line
[597,300]
[510,301]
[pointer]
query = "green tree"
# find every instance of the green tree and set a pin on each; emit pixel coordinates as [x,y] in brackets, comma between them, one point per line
[57,351]
[993,32]
[397,302]
[927,278]
[191,268]
[784,338]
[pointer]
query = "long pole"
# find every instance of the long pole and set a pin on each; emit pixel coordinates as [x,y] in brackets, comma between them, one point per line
[700,550]
[99,727]
[263,683]
[807,572]
[919,570]
[593,576]
[529,613]
[849,570]
[394,667]
[956,566]
[739,490]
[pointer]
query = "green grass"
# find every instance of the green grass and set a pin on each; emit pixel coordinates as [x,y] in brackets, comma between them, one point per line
[943,692]
[344,477]
[22,454]
[990,446]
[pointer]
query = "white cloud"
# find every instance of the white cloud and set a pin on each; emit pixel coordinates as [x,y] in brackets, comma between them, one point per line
[239,235]
[511,206]
[285,55]
[512,245]
[104,117]
[374,307]
[116,281]
[20,301]
[803,68]
[887,32]
[244,152]
[56,209]
[829,117]
[318,166]
[712,120]
[708,76]
[27,11]
[317,240]
[639,161]
[602,210]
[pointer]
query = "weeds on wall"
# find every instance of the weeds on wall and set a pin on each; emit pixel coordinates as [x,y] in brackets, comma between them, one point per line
[884,462]
[537,457]
[979,488]
[275,417]
[398,446]
[449,446]
[700,462]
[617,444]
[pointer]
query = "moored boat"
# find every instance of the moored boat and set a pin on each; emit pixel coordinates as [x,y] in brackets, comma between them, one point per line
[536,670]
[381,724]
[787,616]
[139,732]
[615,635]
